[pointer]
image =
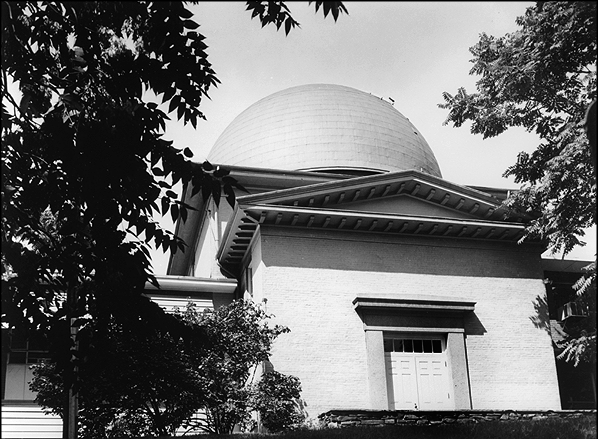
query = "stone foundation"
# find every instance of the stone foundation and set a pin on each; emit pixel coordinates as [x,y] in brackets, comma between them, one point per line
[354,418]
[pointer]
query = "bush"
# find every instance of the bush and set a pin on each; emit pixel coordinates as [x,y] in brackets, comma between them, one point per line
[277,401]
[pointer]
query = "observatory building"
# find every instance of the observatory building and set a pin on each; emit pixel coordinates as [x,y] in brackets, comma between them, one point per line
[401,290]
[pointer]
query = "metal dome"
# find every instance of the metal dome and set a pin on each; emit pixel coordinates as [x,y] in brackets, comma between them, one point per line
[328,128]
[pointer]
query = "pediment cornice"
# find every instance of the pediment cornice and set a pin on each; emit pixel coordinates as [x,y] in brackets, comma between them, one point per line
[424,187]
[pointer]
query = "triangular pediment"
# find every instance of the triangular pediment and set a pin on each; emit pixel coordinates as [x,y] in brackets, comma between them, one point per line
[405,192]
[403,205]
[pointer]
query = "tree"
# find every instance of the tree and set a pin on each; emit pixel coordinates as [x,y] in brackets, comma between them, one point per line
[240,340]
[178,378]
[85,164]
[129,385]
[543,78]
[276,398]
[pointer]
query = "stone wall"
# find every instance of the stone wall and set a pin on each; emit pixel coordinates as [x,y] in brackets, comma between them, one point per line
[357,418]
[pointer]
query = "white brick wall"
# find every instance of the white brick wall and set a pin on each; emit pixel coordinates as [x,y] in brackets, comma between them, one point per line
[326,345]
[310,282]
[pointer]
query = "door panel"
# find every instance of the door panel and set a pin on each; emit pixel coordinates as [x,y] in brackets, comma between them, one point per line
[402,381]
[432,377]
[417,382]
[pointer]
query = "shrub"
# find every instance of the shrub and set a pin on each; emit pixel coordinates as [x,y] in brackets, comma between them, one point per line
[276,400]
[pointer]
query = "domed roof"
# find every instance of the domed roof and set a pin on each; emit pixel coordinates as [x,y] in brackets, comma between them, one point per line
[328,128]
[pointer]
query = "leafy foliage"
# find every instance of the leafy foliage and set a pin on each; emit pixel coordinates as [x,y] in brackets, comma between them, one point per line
[85,164]
[277,13]
[580,345]
[113,400]
[276,399]
[241,339]
[84,161]
[335,8]
[212,372]
[543,78]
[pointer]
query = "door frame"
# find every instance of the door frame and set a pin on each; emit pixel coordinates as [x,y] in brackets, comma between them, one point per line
[418,315]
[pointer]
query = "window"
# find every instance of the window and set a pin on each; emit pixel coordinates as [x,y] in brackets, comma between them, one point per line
[411,345]
[23,353]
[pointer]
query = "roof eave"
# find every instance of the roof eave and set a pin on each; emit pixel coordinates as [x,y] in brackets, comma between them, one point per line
[241,229]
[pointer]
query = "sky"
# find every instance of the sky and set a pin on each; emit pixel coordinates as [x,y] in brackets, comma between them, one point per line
[411,52]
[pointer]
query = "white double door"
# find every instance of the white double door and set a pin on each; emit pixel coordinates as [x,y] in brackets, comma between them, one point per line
[418,381]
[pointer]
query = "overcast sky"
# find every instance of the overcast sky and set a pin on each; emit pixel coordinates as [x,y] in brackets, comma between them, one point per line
[411,52]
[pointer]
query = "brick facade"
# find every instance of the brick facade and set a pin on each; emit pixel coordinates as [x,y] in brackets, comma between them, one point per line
[310,280]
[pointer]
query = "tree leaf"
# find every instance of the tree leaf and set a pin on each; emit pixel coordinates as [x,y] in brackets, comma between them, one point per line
[165,205]
[174,103]
[174,212]
[190,24]
[183,212]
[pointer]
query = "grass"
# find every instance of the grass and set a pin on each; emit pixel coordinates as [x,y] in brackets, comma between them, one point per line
[573,428]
